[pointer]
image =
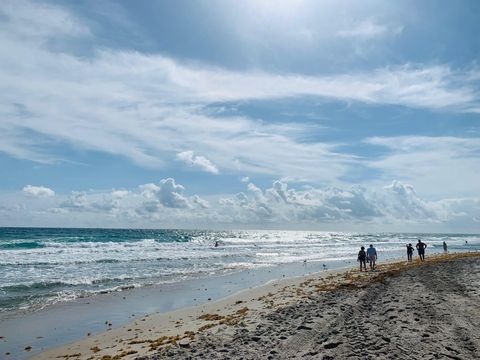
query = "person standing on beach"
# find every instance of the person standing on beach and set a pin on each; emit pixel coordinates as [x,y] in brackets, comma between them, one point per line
[362,258]
[445,247]
[421,246]
[409,252]
[372,256]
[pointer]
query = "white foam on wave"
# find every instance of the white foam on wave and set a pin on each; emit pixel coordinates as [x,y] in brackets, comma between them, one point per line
[89,252]
[246,265]
[97,266]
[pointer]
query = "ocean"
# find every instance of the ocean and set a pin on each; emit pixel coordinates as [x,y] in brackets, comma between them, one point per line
[43,266]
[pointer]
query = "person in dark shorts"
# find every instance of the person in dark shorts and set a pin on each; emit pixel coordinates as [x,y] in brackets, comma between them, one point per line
[409,252]
[445,248]
[362,258]
[421,246]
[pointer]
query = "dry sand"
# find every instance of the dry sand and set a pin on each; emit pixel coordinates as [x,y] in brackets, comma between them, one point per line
[425,310]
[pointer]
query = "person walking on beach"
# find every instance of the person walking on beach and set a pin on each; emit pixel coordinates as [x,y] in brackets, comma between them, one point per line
[409,252]
[362,258]
[445,248]
[372,256]
[421,246]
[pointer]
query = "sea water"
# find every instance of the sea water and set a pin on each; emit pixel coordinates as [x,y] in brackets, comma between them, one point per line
[43,266]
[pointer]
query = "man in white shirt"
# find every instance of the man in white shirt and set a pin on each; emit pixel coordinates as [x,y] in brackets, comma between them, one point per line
[372,256]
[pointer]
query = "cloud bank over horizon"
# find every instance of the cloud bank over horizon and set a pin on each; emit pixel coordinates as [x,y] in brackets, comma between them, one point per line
[393,206]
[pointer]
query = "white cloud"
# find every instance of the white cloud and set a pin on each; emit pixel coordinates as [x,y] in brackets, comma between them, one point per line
[401,201]
[95,202]
[278,204]
[369,28]
[461,211]
[110,202]
[396,206]
[245,179]
[76,201]
[57,210]
[38,191]
[432,87]
[171,194]
[201,203]
[437,166]
[198,161]
[27,19]
[119,194]
[279,191]
[167,194]
[147,107]
[149,191]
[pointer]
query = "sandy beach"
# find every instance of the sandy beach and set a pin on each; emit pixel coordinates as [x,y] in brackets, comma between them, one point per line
[407,311]
[202,179]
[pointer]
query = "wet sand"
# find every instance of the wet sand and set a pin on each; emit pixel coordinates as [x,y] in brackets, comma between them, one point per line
[406,311]
[66,322]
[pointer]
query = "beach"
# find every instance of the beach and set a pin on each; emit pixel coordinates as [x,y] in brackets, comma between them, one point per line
[206,179]
[421,310]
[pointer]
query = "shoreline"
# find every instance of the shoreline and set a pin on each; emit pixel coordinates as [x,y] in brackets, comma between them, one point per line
[160,331]
[41,330]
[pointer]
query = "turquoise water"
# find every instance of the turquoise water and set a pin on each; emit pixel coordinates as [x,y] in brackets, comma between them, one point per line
[43,266]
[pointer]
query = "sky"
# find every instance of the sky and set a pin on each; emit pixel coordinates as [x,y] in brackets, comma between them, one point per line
[315,115]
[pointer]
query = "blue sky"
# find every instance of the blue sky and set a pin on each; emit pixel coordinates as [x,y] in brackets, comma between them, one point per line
[296,114]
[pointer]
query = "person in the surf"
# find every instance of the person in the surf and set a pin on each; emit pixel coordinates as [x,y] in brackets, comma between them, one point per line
[421,246]
[445,248]
[372,256]
[409,252]
[216,244]
[362,258]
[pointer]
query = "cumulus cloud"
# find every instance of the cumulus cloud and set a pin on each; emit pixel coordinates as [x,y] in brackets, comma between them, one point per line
[279,190]
[149,191]
[149,207]
[331,205]
[95,202]
[57,210]
[171,194]
[401,201]
[199,202]
[119,194]
[462,211]
[38,191]
[109,202]
[198,161]
[167,194]
[76,201]
[280,205]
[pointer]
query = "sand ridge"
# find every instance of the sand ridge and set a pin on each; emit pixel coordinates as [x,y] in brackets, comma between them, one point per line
[342,314]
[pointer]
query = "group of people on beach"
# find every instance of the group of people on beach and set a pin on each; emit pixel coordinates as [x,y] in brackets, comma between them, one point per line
[371,254]
[421,246]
